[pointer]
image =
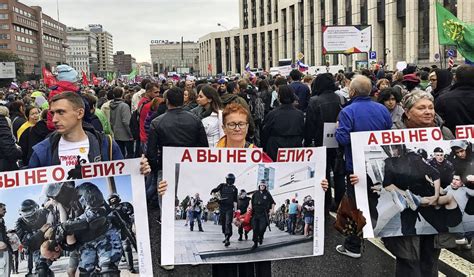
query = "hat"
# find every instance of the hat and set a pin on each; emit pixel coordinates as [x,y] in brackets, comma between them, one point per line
[190,78]
[36,94]
[411,78]
[66,73]
[222,81]
[438,150]
[459,144]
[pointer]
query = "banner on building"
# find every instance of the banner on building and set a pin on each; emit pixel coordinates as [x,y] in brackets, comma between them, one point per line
[347,39]
[210,181]
[91,210]
[413,182]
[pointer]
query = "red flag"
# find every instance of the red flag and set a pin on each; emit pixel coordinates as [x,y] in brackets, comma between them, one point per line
[94,80]
[48,78]
[85,82]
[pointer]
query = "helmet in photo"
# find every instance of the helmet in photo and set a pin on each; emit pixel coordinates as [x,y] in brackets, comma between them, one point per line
[459,144]
[230,179]
[90,196]
[63,193]
[29,210]
[114,199]
[422,153]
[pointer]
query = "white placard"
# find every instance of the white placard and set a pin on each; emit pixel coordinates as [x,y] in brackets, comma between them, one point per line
[329,135]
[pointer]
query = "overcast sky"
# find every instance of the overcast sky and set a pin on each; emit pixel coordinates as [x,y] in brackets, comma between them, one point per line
[134,23]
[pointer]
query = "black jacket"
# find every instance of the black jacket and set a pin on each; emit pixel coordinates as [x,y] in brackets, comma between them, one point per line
[456,107]
[176,127]
[323,107]
[9,152]
[282,128]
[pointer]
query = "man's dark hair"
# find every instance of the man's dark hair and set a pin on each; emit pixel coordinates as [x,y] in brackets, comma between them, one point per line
[281,81]
[349,75]
[91,99]
[286,94]
[296,75]
[2,205]
[465,74]
[150,85]
[175,96]
[110,94]
[231,86]
[144,82]
[118,92]
[74,98]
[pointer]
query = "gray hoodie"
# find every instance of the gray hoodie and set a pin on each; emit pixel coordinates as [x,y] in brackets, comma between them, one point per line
[120,120]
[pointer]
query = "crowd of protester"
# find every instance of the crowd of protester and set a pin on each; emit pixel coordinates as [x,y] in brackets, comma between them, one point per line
[283,112]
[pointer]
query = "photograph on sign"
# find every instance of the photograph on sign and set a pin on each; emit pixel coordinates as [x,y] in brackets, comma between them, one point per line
[65,224]
[238,213]
[415,188]
[329,135]
[347,39]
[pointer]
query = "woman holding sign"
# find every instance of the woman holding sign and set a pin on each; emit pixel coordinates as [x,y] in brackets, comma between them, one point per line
[235,124]
[416,255]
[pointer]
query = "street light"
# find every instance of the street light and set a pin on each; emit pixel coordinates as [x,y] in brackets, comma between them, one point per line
[227,57]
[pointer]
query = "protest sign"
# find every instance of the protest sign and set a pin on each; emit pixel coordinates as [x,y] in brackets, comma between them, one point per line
[329,135]
[194,172]
[413,182]
[89,210]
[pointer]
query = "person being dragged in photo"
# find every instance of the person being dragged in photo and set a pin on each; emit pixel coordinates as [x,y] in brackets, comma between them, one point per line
[415,188]
[461,194]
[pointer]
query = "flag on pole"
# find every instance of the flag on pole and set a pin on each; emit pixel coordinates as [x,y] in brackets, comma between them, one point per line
[85,82]
[132,74]
[452,31]
[48,78]
[301,66]
[247,67]
[95,82]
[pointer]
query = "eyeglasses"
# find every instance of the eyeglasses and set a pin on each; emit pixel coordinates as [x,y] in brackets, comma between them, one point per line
[233,125]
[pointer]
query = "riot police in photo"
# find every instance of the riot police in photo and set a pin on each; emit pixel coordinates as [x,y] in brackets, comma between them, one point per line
[123,211]
[445,167]
[227,205]
[262,204]
[463,161]
[6,250]
[242,205]
[31,228]
[196,211]
[92,233]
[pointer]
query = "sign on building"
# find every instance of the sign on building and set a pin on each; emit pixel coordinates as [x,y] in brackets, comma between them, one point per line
[347,39]
[7,70]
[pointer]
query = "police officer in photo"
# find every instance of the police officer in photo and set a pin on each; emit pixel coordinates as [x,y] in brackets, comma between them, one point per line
[445,167]
[5,247]
[31,227]
[125,211]
[261,204]
[227,205]
[242,205]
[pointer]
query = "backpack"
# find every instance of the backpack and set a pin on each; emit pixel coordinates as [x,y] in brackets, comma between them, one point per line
[135,121]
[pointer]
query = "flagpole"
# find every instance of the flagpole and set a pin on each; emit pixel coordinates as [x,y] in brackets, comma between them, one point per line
[441,57]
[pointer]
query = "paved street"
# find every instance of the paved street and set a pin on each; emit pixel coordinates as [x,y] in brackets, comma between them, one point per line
[207,246]
[59,267]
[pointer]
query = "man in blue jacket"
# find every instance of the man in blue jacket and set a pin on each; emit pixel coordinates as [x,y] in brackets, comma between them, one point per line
[360,114]
[301,90]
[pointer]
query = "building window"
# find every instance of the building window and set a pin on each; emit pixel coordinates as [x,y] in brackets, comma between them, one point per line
[423,29]
[3,46]
[262,13]
[380,10]
[3,16]
[334,13]
[253,12]
[3,6]
[363,12]
[4,27]
[348,12]
[269,11]
[401,7]
[4,36]
[452,6]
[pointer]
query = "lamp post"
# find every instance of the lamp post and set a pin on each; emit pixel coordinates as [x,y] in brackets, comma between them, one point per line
[227,57]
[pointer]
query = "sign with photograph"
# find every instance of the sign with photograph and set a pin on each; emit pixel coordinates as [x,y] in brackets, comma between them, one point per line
[66,217]
[413,182]
[231,205]
[7,70]
[347,39]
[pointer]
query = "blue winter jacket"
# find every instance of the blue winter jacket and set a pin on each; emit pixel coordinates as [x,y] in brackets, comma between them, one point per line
[45,153]
[360,114]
